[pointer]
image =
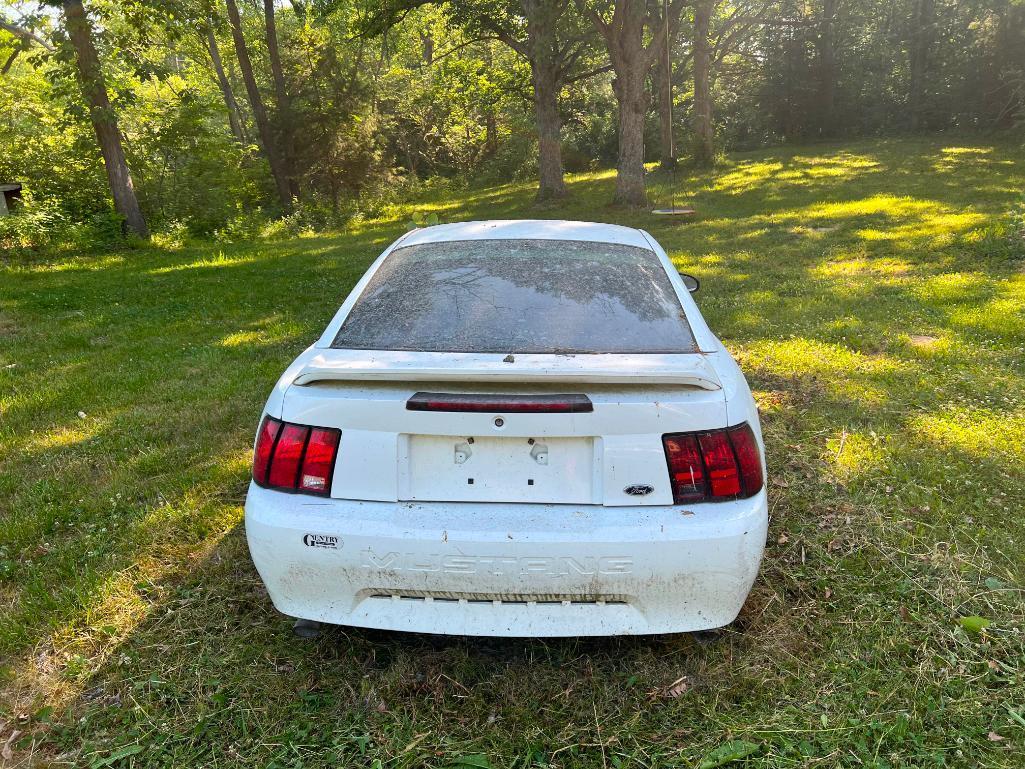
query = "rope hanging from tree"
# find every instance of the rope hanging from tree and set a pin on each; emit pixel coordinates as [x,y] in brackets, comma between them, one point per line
[672,210]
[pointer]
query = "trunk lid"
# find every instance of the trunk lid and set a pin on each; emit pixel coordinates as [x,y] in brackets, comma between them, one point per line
[611,455]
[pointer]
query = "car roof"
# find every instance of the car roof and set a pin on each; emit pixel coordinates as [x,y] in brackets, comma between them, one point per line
[528,229]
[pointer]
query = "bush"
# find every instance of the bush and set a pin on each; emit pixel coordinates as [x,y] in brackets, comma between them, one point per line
[246,224]
[172,236]
[31,227]
[37,226]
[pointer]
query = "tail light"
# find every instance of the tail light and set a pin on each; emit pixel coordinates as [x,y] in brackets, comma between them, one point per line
[296,458]
[520,404]
[713,465]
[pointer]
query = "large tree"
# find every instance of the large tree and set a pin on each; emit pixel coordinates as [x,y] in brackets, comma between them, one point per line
[704,131]
[662,87]
[285,120]
[553,44]
[230,103]
[720,30]
[103,117]
[268,140]
[552,41]
[622,26]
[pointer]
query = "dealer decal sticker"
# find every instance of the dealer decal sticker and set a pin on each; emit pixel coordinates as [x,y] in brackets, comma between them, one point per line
[322,540]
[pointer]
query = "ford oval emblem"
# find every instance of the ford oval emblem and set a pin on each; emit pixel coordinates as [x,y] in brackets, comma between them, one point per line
[639,490]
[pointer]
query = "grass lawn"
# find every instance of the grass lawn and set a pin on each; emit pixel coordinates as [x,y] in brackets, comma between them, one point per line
[879,313]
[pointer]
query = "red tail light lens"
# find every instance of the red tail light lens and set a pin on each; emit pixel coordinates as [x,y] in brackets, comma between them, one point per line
[713,465]
[264,448]
[723,474]
[291,457]
[284,464]
[748,458]
[319,461]
[686,470]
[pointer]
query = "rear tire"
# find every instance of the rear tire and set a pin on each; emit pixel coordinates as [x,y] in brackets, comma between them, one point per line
[709,637]
[306,628]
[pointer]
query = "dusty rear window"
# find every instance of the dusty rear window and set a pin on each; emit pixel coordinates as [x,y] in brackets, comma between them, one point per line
[525,296]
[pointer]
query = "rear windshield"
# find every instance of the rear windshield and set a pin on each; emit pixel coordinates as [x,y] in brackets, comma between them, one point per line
[526,296]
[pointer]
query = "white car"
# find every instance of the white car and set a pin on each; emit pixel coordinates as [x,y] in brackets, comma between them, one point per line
[512,428]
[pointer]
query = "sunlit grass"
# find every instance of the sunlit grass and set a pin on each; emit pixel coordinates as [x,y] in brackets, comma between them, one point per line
[799,170]
[852,454]
[856,266]
[979,433]
[220,260]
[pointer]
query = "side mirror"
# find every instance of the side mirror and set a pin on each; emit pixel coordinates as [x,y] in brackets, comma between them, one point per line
[692,283]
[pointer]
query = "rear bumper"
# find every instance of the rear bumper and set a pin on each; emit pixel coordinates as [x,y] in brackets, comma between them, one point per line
[506,569]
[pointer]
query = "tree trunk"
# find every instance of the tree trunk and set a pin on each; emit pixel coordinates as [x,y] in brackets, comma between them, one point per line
[427,49]
[704,132]
[631,97]
[490,135]
[103,118]
[826,45]
[542,52]
[630,62]
[270,147]
[10,60]
[222,80]
[284,102]
[661,77]
[921,42]
[551,184]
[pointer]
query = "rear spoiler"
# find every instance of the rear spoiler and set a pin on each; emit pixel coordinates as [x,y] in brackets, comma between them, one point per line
[692,370]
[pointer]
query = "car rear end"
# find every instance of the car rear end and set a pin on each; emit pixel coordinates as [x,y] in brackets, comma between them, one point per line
[515,491]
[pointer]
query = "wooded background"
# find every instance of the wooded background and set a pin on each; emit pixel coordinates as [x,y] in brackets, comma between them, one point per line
[209,116]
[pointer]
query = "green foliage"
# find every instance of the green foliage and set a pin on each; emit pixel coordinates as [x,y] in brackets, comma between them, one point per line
[974,624]
[46,143]
[31,227]
[727,753]
[43,225]
[172,236]
[377,100]
[244,224]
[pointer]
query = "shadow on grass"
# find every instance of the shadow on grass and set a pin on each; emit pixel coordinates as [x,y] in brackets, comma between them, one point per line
[209,637]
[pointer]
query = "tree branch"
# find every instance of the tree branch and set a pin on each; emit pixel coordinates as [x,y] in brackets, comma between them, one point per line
[585,75]
[10,61]
[658,38]
[24,34]
[460,46]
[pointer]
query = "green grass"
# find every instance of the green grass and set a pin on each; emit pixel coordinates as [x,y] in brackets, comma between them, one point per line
[874,297]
